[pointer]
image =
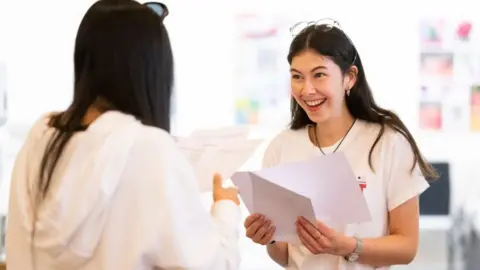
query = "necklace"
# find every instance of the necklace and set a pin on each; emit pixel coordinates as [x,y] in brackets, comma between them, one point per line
[341,141]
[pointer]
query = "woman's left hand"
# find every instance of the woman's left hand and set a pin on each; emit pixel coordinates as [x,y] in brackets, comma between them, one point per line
[320,239]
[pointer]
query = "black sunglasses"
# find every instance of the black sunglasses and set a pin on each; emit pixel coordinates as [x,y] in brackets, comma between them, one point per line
[159,8]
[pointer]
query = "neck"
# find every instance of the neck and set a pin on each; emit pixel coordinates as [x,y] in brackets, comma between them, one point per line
[333,130]
[94,111]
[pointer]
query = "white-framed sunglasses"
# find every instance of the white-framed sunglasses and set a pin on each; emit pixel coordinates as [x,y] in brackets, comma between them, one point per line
[324,25]
[159,8]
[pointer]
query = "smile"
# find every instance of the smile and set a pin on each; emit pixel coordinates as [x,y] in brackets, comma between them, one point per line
[315,103]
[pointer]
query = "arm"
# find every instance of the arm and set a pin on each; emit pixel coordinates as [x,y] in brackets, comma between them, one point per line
[402,189]
[278,252]
[400,247]
[187,236]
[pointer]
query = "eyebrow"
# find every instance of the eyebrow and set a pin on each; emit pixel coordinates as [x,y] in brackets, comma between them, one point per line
[312,70]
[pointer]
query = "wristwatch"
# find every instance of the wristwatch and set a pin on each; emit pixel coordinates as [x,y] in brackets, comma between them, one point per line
[353,257]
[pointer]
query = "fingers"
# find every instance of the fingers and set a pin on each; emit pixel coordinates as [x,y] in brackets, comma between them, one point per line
[254,227]
[312,230]
[217,181]
[312,238]
[249,220]
[308,240]
[268,237]
[259,229]
[307,244]
[262,231]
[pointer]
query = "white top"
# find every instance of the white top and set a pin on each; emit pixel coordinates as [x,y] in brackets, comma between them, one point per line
[388,187]
[122,197]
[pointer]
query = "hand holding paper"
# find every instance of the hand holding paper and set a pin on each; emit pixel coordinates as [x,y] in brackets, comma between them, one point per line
[259,229]
[221,151]
[318,238]
[323,188]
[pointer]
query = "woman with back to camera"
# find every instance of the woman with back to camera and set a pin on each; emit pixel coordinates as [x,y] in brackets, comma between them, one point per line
[102,184]
[333,110]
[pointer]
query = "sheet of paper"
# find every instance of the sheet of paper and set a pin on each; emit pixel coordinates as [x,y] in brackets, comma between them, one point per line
[331,184]
[282,207]
[234,132]
[243,182]
[278,204]
[209,156]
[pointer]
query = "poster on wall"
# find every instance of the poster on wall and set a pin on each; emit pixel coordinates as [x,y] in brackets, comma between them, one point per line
[448,68]
[475,108]
[261,75]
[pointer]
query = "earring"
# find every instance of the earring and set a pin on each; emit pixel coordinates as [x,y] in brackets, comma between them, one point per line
[348,92]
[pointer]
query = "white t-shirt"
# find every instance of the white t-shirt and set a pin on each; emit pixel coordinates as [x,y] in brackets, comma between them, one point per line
[390,185]
[123,197]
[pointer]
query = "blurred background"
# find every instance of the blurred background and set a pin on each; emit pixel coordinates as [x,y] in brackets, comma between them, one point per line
[422,60]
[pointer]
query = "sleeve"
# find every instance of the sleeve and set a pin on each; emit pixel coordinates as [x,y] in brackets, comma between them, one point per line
[188,237]
[402,183]
[17,247]
[271,155]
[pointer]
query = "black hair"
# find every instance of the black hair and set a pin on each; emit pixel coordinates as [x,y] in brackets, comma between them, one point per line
[332,42]
[123,58]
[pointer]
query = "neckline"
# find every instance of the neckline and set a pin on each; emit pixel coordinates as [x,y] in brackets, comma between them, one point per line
[350,136]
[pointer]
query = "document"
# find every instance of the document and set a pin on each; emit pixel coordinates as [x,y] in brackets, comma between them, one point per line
[233,132]
[323,188]
[221,151]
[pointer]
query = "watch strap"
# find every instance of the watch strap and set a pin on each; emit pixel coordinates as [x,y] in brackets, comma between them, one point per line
[352,257]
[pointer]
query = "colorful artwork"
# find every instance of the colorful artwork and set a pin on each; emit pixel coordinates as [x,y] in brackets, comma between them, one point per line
[247,111]
[475,108]
[261,73]
[437,64]
[447,71]
[430,116]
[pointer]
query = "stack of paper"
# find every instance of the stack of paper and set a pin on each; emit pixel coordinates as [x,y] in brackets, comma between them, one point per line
[213,151]
[322,188]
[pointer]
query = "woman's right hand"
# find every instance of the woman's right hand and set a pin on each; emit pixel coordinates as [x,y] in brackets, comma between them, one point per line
[220,193]
[259,229]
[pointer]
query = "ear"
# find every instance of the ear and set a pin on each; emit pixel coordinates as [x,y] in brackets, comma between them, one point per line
[350,78]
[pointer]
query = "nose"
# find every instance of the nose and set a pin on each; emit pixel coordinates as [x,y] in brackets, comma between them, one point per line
[308,88]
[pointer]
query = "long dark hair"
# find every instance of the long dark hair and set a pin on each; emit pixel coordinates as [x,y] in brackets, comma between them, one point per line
[122,58]
[334,43]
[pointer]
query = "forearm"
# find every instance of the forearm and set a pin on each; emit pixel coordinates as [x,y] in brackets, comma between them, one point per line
[388,250]
[279,253]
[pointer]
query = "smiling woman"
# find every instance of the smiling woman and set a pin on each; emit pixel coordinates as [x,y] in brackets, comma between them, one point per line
[333,110]
[311,71]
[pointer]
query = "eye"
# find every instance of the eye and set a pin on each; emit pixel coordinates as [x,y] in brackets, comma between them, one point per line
[320,75]
[296,77]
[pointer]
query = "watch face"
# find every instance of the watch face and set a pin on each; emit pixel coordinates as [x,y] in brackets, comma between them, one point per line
[353,257]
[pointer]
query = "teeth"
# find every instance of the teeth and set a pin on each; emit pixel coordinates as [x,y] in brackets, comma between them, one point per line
[314,102]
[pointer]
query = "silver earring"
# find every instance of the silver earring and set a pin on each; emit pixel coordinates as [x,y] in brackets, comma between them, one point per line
[348,92]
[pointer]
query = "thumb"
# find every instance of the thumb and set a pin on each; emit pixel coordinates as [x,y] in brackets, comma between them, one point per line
[217,181]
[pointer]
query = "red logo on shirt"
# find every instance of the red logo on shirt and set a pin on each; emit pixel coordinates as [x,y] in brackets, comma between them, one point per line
[362,185]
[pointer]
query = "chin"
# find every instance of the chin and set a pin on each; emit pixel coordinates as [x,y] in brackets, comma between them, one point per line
[318,118]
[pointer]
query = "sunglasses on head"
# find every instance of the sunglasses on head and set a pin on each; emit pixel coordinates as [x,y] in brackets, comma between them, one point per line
[323,25]
[159,8]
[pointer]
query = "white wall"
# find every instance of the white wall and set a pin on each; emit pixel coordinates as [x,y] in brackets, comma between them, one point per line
[37,40]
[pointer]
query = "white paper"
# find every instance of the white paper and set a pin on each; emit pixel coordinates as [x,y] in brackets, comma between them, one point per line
[234,132]
[221,152]
[323,187]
